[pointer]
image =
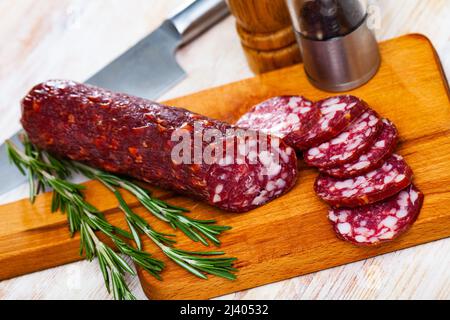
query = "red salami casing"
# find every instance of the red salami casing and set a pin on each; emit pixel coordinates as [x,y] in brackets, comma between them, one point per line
[133,136]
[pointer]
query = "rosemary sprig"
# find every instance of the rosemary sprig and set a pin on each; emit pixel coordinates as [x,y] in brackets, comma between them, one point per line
[194,262]
[195,229]
[47,171]
[197,263]
[85,218]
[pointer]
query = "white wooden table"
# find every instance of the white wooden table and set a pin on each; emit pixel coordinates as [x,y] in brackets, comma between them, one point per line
[74,38]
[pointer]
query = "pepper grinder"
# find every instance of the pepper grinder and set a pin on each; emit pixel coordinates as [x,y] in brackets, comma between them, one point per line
[339,51]
[266,34]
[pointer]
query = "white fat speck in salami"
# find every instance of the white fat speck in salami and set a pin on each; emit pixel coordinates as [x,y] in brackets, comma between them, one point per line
[336,113]
[348,145]
[286,117]
[373,158]
[378,222]
[374,186]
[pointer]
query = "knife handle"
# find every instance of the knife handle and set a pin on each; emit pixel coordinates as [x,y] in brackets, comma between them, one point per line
[198,17]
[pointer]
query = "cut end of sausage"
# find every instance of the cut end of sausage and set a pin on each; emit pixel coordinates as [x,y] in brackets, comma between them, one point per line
[259,171]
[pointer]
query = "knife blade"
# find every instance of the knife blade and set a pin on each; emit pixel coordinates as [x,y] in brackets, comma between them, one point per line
[148,69]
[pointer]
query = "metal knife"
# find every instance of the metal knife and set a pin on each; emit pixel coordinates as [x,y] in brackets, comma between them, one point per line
[147,70]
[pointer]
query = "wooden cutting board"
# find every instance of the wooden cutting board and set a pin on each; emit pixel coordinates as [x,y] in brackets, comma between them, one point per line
[291,235]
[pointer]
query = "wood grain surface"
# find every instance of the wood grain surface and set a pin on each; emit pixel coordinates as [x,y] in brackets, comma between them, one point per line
[291,235]
[260,16]
[267,41]
[264,61]
[266,34]
[52,41]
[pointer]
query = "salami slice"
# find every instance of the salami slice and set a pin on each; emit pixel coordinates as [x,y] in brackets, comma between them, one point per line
[381,149]
[348,145]
[159,144]
[336,114]
[393,176]
[287,117]
[378,222]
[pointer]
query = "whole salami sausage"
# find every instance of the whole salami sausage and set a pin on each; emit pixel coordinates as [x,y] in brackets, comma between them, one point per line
[393,176]
[378,222]
[173,148]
